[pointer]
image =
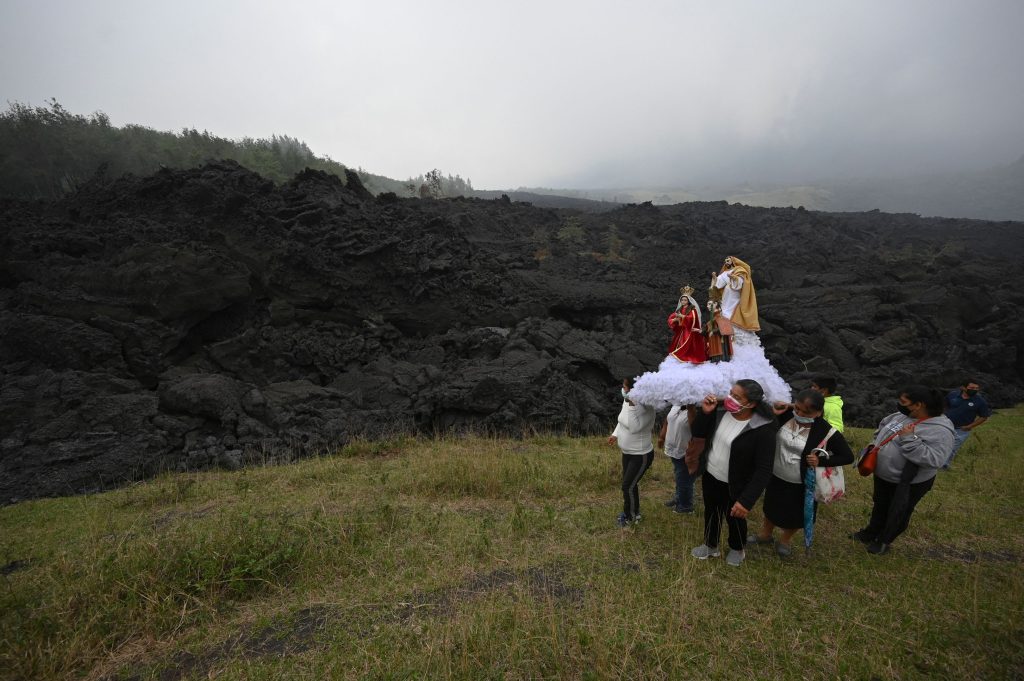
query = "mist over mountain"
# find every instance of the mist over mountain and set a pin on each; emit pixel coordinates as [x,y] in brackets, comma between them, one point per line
[46,152]
[993,194]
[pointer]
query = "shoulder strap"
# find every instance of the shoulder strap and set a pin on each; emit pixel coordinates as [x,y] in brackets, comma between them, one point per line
[888,439]
[821,447]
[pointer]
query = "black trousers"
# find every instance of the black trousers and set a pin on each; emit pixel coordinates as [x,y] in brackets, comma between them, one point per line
[882,499]
[633,468]
[717,504]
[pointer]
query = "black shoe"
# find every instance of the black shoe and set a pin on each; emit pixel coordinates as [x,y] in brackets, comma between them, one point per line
[683,510]
[671,502]
[878,548]
[861,536]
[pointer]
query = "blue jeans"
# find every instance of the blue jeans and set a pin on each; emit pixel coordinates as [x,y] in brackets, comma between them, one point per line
[959,437]
[684,486]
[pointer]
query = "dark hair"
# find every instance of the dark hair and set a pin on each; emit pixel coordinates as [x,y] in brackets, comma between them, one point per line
[755,394]
[969,380]
[826,382]
[934,400]
[628,381]
[813,397]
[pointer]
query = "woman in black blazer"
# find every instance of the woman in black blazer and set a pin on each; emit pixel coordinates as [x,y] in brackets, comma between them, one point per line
[801,433]
[736,462]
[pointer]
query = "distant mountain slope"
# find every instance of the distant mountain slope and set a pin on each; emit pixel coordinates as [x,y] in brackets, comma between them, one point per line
[992,194]
[548,200]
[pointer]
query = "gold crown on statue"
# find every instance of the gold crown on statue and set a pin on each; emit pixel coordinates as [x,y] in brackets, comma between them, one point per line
[686,291]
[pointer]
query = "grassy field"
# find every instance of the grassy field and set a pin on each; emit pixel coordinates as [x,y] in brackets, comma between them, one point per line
[480,558]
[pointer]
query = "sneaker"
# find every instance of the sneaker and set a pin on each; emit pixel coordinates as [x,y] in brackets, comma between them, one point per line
[755,540]
[878,548]
[683,510]
[703,552]
[861,536]
[784,550]
[623,521]
[735,557]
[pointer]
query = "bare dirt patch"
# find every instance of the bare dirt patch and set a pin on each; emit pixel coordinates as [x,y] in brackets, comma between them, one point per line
[301,631]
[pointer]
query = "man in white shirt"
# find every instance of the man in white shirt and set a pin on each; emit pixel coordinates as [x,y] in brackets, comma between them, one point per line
[675,435]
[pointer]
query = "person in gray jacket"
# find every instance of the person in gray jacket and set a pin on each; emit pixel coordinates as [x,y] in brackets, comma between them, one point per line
[918,439]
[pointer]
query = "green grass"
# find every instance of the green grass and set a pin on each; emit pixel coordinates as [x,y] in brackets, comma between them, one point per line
[483,558]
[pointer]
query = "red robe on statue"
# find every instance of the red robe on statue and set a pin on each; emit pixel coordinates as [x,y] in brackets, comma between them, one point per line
[687,339]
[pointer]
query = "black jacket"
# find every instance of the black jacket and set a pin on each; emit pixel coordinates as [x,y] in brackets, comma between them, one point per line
[750,458]
[837,447]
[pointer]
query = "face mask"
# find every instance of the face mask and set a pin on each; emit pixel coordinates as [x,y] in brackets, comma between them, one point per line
[732,406]
[625,394]
[902,409]
[803,420]
[971,393]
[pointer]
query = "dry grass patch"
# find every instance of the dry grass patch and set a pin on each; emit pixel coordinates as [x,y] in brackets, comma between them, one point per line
[488,558]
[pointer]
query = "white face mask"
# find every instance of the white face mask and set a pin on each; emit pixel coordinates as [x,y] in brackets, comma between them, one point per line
[625,394]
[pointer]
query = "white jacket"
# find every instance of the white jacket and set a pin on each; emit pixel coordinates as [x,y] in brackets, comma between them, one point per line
[633,430]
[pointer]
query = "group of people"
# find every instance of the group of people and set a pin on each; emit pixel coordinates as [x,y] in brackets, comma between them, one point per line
[746,444]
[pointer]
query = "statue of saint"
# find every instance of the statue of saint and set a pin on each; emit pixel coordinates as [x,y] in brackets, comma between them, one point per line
[687,335]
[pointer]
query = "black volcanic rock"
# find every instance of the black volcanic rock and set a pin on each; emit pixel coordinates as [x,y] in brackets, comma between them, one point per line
[207,317]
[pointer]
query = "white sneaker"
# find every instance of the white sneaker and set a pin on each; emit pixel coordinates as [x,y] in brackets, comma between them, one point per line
[735,557]
[703,552]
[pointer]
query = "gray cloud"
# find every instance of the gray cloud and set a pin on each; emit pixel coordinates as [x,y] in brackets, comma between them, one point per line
[557,94]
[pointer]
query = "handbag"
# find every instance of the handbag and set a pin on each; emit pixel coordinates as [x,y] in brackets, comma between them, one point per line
[868,459]
[829,483]
[869,455]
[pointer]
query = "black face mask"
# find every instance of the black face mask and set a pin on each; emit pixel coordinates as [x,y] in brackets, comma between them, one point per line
[903,409]
[971,393]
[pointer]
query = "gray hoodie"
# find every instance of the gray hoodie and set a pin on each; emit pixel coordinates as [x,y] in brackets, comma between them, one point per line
[928,446]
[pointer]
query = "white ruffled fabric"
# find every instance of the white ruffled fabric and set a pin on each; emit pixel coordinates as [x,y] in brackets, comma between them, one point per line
[678,382]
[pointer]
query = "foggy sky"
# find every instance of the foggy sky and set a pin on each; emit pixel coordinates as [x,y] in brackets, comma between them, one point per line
[557,94]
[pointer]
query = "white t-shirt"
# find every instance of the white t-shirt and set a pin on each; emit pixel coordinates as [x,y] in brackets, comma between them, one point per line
[677,435]
[721,446]
[791,441]
[730,294]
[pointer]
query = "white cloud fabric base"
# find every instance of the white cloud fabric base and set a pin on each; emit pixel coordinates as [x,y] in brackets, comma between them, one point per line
[678,382]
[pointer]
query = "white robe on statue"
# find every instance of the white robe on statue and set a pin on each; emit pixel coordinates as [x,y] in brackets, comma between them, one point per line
[730,292]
